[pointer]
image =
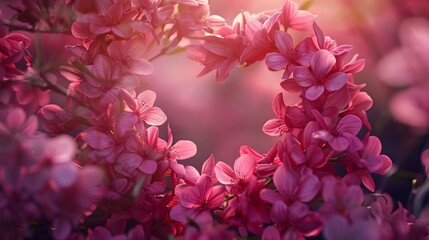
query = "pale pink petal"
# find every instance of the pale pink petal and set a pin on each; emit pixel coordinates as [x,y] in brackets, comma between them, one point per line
[244,166]
[183,149]
[215,21]
[148,166]
[335,81]
[189,196]
[224,173]
[302,20]
[314,92]
[141,66]
[209,166]
[274,127]
[147,98]
[61,149]
[322,62]
[251,28]
[154,116]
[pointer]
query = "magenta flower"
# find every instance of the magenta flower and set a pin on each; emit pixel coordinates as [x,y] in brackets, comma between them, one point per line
[111,17]
[220,53]
[140,109]
[55,120]
[260,41]
[292,186]
[320,76]
[130,54]
[340,198]
[292,17]
[288,118]
[288,56]
[237,180]
[196,202]
[342,136]
[293,221]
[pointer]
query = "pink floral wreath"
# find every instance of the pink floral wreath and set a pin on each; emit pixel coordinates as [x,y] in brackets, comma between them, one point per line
[98,169]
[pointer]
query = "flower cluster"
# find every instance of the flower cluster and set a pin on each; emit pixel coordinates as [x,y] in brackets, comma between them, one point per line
[119,179]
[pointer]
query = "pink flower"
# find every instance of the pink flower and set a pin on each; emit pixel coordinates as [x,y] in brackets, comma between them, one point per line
[220,53]
[129,53]
[288,118]
[292,186]
[259,36]
[192,174]
[247,211]
[338,227]
[288,56]
[112,17]
[182,149]
[320,76]
[55,120]
[142,110]
[342,136]
[17,124]
[292,222]
[292,17]
[340,198]
[237,180]
[196,202]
